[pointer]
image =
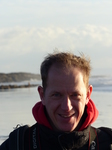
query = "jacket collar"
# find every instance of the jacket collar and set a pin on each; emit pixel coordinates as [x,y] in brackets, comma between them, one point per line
[40,117]
[64,140]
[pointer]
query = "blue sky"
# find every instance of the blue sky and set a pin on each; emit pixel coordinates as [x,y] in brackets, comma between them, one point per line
[30,29]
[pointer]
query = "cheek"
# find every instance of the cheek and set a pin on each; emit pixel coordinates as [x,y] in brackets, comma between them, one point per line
[51,106]
[80,107]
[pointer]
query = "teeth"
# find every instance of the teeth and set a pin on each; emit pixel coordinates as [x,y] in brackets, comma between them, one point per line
[67,116]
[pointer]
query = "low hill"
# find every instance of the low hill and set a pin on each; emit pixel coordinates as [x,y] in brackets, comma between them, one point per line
[18,77]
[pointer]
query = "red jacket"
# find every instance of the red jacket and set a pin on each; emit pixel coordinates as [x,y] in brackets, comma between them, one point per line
[40,117]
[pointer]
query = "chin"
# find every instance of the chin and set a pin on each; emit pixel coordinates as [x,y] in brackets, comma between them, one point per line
[67,129]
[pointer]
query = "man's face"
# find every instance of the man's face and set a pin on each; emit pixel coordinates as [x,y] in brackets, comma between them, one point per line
[65,97]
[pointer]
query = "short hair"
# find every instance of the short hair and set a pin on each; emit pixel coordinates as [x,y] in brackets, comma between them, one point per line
[65,59]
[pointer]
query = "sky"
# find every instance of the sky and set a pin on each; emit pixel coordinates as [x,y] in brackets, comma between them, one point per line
[30,29]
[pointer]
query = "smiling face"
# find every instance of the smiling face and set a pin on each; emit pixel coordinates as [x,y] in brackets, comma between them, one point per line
[65,97]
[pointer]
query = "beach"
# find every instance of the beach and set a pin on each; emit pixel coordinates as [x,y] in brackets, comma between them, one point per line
[16,106]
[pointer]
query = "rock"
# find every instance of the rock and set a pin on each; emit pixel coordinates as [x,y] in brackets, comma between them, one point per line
[2,87]
[18,77]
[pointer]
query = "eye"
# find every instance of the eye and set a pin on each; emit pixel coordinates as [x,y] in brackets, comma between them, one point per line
[75,95]
[56,95]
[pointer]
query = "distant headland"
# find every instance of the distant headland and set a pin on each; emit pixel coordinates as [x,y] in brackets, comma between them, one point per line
[17,77]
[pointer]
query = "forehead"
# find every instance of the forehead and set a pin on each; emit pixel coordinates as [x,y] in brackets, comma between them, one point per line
[64,76]
[59,70]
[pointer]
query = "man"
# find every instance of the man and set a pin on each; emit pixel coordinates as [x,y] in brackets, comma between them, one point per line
[65,113]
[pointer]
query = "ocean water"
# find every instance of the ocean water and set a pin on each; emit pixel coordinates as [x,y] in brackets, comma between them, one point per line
[16,105]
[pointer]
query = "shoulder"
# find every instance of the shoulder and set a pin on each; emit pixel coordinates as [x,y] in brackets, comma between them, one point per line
[104,131]
[103,137]
[14,139]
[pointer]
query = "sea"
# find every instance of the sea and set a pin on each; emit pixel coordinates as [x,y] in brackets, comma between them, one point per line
[16,104]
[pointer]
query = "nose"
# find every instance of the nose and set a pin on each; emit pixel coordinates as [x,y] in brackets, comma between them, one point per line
[66,104]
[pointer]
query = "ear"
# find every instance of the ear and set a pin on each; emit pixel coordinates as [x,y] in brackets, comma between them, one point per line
[41,93]
[90,89]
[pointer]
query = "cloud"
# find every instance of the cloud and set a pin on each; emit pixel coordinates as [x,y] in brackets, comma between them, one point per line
[25,40]
[27,46]
[31,28]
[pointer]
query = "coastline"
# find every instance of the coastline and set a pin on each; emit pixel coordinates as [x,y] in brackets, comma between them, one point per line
[18,80]
[3,87]
[18,77]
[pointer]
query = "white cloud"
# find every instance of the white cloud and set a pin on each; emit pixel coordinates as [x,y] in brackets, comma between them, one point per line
[31,28]
[26,47]
[23,40]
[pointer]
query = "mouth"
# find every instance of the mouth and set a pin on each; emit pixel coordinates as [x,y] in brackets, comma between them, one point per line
[67,116]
